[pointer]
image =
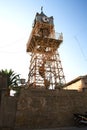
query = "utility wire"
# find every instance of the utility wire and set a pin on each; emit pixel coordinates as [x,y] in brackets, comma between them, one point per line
[82,52]
[12,43]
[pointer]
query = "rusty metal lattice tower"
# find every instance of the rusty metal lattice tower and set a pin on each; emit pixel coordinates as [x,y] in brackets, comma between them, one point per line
[45,66]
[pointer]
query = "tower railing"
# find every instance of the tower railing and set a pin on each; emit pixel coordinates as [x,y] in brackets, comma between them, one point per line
[59,36]
[56,36]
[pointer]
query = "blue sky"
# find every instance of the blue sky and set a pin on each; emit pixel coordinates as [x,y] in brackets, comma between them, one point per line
[70,18]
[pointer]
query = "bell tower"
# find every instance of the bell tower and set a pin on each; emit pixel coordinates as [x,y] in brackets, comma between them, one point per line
[45,69]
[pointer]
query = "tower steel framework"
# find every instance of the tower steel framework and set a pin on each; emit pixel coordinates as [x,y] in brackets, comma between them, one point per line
[45,69]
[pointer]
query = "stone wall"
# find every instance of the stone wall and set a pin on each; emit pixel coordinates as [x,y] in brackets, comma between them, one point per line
[41,108]
[3,82]
[8,109]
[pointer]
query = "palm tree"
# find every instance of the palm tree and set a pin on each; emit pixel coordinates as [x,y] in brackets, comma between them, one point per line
[12,78]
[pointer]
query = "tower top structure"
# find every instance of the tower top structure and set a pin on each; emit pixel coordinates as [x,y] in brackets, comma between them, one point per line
[43,26]
[43,18]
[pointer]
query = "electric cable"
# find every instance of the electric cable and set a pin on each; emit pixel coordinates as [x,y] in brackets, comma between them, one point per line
[82,52]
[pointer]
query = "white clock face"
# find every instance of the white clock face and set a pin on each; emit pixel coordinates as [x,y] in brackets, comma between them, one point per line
[45,19]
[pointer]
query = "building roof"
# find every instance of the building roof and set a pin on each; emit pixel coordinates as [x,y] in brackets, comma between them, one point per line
[75,80]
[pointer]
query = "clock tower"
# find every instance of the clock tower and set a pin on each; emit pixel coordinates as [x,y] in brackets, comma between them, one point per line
[45,69]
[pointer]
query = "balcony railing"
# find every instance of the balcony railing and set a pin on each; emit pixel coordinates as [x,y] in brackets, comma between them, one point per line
[59,36]
[56,36]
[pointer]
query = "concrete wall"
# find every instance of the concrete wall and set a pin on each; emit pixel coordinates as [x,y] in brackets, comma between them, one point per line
[3,82]
[7,110]
[38,108]
[41,108]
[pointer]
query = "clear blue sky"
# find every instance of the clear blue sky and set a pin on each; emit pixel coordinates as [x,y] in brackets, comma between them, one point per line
[70,18]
